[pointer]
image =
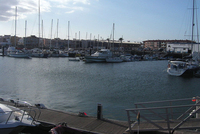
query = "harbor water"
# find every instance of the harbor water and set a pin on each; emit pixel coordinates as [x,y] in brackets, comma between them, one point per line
[73,86]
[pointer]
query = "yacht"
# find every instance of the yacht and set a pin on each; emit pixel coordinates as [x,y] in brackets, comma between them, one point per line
[99,56]
[181,68]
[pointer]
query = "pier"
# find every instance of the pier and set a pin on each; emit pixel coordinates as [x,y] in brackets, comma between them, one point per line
[170,118]
[88,124]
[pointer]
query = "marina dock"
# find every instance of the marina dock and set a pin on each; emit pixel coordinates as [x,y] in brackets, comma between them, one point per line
[98,125]
[87,124]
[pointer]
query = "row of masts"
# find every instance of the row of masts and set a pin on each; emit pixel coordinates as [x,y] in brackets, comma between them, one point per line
[51,30]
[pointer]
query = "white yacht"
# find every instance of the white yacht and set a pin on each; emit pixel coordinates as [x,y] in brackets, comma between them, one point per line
[99,56]
[181,68]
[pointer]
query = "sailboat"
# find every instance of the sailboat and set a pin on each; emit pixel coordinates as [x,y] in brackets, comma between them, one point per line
[36,52]
[113,59]
[184,67]
[12,51]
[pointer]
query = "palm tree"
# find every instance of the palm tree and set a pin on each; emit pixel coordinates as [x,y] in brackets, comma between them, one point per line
[108,41]
[121,39]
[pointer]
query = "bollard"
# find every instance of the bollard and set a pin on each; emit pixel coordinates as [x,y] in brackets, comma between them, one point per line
[99,112]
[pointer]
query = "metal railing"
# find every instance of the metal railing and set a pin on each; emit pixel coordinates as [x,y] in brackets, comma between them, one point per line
[172,113]
[24,113]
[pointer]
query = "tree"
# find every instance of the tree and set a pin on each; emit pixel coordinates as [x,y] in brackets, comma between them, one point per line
[108,41]
[121,39]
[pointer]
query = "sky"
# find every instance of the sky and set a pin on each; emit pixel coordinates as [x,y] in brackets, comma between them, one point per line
[133,20]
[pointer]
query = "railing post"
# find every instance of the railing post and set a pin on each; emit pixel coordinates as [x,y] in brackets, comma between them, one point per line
[129,121]
[9,117]
[197,107]
[168,123]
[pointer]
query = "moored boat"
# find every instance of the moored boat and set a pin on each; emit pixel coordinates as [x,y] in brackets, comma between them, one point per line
[181,68]
[13,52]
[114,60]
[14,120]
[38,53]
[99,56]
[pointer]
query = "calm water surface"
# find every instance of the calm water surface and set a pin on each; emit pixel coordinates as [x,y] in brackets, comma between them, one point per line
[78,87]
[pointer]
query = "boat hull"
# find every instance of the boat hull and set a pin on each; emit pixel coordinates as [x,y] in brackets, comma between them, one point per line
[12,130]
[95,59]
[19,55]
[181,69]
[114,60]
[40,55]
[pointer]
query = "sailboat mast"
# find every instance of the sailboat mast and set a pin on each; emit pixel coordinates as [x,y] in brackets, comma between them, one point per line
[113,34]
[51,31]
[25,34]
[57,33]
[193,20]
[15,24]
[39,23]
[68,35]
[42,35]
[79,41]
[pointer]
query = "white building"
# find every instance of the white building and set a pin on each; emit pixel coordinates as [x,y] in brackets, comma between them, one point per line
[179,47]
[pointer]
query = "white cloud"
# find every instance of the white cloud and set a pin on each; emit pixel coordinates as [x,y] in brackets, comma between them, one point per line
[24,7]
[70,12]
[66,2]
[71,5]
[27,7]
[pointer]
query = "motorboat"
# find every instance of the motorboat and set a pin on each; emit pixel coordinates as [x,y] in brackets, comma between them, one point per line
[114,60]
[38,53]
[181,68]
[14,120]
[99,56]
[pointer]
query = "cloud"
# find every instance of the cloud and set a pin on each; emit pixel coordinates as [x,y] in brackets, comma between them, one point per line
[70,12]
[24,7]
[27,7]
[67,2]
[72,5]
